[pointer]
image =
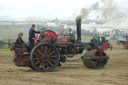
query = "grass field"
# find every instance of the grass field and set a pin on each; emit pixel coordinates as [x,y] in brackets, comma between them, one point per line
[70,73]
[5,50]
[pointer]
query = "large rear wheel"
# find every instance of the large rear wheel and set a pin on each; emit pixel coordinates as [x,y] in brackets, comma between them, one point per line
[45,57]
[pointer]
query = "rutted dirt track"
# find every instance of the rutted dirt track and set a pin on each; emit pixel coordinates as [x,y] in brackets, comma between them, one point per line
[71,73]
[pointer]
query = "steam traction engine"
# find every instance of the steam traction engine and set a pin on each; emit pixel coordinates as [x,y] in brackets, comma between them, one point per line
[51,49]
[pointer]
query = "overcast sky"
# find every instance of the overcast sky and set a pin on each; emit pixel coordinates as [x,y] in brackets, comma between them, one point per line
[45,9]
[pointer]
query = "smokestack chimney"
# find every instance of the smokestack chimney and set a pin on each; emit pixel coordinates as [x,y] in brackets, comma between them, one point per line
[78,25]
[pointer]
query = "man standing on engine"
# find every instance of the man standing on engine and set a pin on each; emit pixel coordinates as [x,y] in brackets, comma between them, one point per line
[32,36]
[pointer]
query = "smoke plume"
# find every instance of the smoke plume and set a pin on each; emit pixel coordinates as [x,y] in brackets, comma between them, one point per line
[84,14]
[110,9]
[107,9]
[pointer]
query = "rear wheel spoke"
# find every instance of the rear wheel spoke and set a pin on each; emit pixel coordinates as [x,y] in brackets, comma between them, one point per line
[39,52]
[42,49]
[50,63]
[47,65]
[42,65]
[53,56]
[38,62]
[49,50]
[51,53]
[52,60]
[37,58]
[46,49]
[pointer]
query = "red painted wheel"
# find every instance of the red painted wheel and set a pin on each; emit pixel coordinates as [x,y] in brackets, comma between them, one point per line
[105,46]
[45,57]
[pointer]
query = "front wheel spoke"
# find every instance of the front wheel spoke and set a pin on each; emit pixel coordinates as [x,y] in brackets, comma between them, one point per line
[50,63]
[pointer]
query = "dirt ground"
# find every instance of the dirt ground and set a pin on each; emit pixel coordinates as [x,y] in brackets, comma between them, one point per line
[71,72]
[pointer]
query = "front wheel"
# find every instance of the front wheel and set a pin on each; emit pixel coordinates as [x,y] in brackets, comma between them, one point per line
[92,59]
[45,57]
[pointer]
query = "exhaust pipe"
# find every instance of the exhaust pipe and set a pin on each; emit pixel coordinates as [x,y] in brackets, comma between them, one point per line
[78,25]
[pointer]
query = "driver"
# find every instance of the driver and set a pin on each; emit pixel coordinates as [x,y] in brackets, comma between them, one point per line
[32,36]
